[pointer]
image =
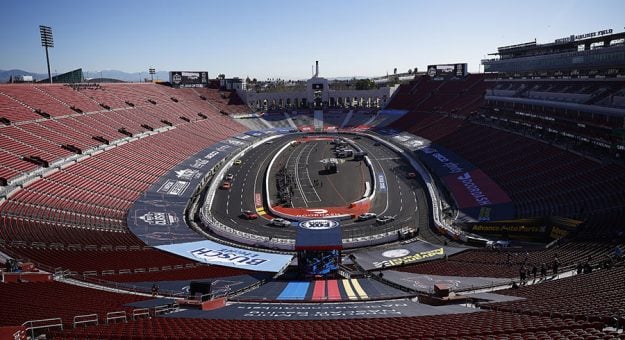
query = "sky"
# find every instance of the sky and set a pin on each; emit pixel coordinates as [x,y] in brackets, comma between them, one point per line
[283,38]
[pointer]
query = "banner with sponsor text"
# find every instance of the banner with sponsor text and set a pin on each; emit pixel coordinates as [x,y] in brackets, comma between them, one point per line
[403,254]
[157,217]
[218,254]
[475,193]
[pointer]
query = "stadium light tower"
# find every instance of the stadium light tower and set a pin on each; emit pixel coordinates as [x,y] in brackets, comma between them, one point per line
[152,71]
[47,41]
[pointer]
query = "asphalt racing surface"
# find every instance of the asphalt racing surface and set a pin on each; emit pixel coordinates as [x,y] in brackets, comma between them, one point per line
[312,186]
[396,195]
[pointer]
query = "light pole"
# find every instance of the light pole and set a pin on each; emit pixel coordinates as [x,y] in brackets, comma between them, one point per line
[47,41]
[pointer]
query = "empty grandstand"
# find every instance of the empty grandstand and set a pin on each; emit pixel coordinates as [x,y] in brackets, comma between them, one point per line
[436,205]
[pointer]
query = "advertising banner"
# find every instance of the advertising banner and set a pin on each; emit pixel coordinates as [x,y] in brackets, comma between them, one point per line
[157,217]
[279,130]
[524,229]
[447,71]
[222,255]
[529,229]
[256,133]
[246,137]
[410,141]
[474,188]
[426,282]
[318,235]
[443,162]
[401,255]
[497,212]
[317,311]
[188,78]
[478,197]
[156,220]
[387,131]
[182,180]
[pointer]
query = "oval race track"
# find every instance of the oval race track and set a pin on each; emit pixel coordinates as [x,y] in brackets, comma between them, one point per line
[395,194]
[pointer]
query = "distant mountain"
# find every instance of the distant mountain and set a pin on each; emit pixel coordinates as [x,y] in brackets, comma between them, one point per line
[5,75]
[348,78]
[120,75]
[125,76]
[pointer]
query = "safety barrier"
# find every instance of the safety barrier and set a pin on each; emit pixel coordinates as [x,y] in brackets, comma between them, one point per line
[34,326]
[437,210]
[84,320]
[289,244]
[368,197]
[115,316]
[140,313]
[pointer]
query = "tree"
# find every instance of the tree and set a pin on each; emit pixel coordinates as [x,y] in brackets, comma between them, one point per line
[365,84]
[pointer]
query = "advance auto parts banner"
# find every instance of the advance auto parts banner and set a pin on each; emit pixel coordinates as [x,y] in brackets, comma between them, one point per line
[527,230]
[221,255]
[530,229]
[408,253]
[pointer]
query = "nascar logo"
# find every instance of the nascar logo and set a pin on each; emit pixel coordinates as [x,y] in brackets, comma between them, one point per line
[159,218]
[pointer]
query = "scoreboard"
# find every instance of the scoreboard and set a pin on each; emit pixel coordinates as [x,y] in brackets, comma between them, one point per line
[447,71]
[188,78]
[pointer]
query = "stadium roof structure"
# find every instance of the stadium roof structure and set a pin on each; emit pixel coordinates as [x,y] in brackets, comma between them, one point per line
[71,77]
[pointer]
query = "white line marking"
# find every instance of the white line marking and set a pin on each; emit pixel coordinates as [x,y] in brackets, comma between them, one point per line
[383,172]
[256,177]
[297,181]
[388,158]
[308,175]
